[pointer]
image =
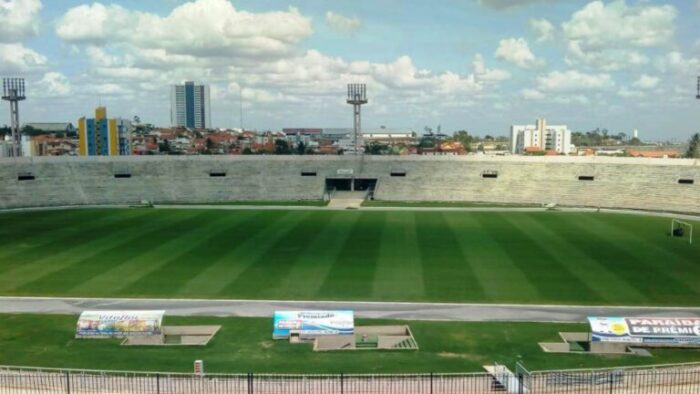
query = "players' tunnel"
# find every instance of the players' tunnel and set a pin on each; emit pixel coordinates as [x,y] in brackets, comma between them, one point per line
[342,184]
[362,184]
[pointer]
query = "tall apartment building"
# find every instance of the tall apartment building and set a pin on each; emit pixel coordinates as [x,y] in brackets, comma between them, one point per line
[100,136]
[189,106]
[541,136]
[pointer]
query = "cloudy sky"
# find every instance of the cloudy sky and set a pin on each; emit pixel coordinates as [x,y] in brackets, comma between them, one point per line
[479,65]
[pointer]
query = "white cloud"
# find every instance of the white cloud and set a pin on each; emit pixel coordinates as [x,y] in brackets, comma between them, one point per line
[574,81]
[543,29]
[122,61]
[16,58]
[19,19]
[677,63]
[517,51]
[605,60]
[487,75]
[612,36]
[598,25]
[212,28]
[506,4]
[532,94]
[626,92]
[341,22]
[646,82]
[53,84]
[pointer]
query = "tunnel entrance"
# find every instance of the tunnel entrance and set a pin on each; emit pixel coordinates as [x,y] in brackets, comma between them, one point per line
[363,184]
[340,184]
[351,184]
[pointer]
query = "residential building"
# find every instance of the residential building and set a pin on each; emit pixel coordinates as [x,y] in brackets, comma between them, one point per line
[100,136]
[190,106]
[542,137]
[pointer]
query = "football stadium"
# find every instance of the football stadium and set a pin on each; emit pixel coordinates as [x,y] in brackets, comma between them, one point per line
[446,248]
[487,260]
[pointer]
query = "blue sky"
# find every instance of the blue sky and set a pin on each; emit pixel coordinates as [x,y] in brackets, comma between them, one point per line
[479,65]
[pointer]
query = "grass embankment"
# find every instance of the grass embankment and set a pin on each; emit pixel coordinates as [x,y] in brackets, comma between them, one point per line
[245,345]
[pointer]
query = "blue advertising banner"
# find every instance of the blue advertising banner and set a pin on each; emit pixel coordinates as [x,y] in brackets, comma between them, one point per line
[311,323]
[644,330]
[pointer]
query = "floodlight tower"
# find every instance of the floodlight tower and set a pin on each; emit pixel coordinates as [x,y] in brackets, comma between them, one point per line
[357,95]
[13,91]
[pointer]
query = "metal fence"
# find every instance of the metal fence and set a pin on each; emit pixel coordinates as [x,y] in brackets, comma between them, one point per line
[683,379]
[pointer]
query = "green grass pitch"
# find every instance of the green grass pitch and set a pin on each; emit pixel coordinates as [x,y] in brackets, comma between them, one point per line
[546,257]
[245,345]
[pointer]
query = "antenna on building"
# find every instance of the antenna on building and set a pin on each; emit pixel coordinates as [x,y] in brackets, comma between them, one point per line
[13,91]
[357,96]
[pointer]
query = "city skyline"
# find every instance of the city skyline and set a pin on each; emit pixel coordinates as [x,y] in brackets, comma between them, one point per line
[481,66]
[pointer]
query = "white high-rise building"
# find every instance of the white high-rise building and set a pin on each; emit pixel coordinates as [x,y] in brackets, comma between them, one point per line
[541,136]
[189,106]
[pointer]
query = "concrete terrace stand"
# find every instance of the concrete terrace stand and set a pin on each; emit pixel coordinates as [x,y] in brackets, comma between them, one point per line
[367,338]
[580,342]
[175,336]
[605,182]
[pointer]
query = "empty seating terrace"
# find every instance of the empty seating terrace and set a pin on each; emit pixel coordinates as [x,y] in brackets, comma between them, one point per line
[654,184]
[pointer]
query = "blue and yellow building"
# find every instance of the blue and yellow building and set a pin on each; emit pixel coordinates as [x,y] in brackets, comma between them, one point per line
[100,136]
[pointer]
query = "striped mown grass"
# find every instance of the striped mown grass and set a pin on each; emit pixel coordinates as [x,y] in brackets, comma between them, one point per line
[502,257]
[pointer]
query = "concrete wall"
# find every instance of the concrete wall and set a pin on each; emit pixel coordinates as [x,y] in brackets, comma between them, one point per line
[619,182]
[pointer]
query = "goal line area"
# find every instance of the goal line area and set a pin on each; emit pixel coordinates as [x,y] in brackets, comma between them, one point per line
[682,229]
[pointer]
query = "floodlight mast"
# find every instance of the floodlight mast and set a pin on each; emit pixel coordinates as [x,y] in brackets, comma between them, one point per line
[357,96]
[13,91]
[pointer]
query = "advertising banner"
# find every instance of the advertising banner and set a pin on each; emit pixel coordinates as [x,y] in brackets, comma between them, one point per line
[110,324]
[649,330]
[311,323]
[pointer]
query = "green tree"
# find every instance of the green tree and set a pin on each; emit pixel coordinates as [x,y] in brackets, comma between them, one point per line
[210,146]
[376,148]
[282,147]
[164,147]
[694,147]
[29,130]
[301,148]
[247,151]
[463,137]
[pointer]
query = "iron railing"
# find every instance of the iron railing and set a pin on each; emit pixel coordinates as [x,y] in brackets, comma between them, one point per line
[679,379]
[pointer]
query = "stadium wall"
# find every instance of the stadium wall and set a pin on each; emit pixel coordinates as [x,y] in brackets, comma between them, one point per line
[634,183]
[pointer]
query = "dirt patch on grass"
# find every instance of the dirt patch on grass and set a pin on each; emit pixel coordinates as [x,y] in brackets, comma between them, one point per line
[266,344]
[463,356]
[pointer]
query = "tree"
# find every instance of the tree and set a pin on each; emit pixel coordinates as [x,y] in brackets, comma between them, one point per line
[29,130]
[247,151]
[164,147]
[210,145]
[376,148]
[282,147]
[301,148]
[694,147]
[463,137]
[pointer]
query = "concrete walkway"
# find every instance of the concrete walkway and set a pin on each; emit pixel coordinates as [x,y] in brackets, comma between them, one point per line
[378,310]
